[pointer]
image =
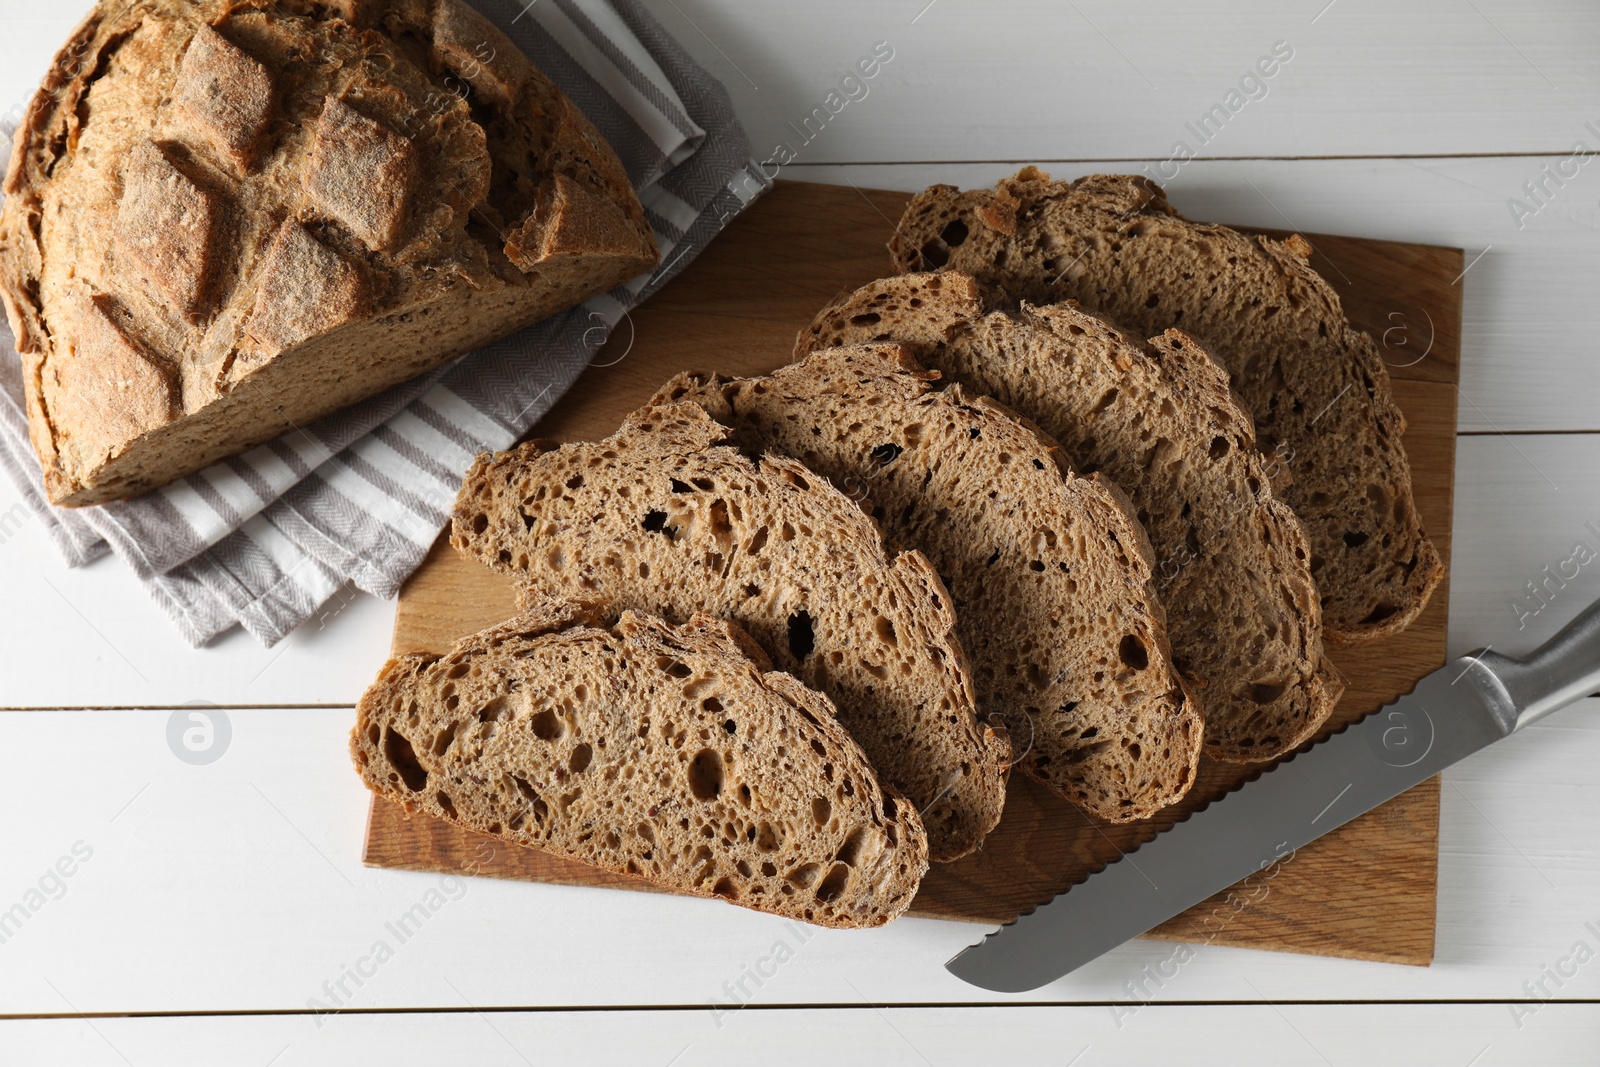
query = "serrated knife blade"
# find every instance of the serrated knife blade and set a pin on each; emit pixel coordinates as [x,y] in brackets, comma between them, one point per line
[1457,710]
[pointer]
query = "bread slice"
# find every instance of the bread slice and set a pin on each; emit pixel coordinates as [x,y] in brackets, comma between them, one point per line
[1050,572]
[669,752]
[661,518]
[223,221]
[1157,419]
[1315,385]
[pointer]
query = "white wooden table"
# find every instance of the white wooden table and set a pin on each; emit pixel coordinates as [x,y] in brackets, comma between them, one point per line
[210,909]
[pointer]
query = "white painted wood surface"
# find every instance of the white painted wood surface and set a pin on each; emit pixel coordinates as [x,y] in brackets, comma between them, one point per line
[1096,79]
[235,887]
[92,637]
[1286,1035]
[245,874]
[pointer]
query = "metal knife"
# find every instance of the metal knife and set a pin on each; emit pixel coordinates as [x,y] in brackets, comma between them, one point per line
[1464,706]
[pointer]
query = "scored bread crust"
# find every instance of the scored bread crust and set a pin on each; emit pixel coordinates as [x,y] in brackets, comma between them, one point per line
[1315,385]
[1157,418]
[224,220]
[1050,572]
[660,517]
[672,753]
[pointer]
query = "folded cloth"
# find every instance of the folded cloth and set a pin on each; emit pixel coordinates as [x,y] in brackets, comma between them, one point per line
[266,538]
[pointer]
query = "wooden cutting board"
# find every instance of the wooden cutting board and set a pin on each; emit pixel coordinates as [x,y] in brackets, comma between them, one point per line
[1366,890]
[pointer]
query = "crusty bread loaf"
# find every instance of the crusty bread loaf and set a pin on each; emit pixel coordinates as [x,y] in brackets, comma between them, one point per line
[670,752]
[1232,562]
[661,518]
[226,220]
[1049,571]
[1315,385]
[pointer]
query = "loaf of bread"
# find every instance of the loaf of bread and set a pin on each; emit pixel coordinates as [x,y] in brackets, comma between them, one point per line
[225,220]
[1232,563]
[669,752]
[661,517]
[1315,386]
[1050,571]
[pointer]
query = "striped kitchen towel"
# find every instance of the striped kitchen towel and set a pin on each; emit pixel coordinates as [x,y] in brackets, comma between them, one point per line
[266,538]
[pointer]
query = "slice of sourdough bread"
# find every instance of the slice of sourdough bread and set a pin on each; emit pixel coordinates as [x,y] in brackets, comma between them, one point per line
[1316,386]
[661,518]
[669,752]
[1050,572]
[1158,419]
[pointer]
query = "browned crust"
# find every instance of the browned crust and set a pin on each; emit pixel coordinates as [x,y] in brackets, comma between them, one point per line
[467,50]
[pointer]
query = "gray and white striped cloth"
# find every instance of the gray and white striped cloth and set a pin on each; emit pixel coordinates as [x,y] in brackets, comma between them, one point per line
[268,537]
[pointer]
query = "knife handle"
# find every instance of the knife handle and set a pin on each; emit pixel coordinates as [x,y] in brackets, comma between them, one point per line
[1563,669]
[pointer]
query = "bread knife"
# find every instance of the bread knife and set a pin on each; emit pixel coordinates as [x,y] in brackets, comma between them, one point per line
[1457,710]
